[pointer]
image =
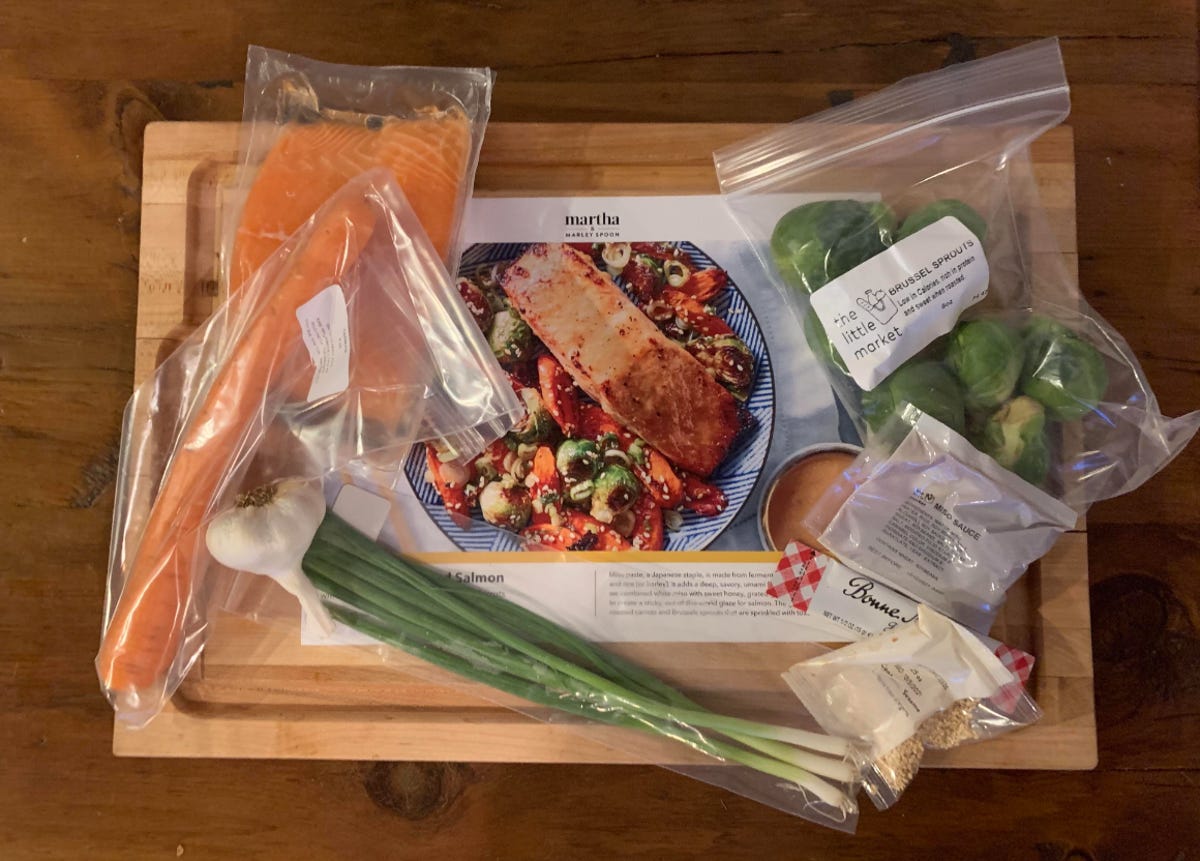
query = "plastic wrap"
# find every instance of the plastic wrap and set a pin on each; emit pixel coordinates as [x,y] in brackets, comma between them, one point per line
[938,519]
[661,703]
[926,684]
[933,284]
[309,127]
[349,344]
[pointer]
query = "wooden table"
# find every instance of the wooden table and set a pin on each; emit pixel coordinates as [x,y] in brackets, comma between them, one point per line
[77,93]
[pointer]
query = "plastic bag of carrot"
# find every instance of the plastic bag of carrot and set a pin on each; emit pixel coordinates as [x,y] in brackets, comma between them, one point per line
[349,344]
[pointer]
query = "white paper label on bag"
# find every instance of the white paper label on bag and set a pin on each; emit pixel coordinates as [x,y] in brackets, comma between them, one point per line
[883,312]
[325,327]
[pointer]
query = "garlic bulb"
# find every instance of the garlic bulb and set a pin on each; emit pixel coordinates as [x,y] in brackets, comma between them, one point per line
[268,532]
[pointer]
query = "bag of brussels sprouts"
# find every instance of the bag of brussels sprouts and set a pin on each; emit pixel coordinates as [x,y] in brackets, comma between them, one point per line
[931,278]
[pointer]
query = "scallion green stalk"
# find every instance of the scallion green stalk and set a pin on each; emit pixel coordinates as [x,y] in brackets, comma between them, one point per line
[488,639]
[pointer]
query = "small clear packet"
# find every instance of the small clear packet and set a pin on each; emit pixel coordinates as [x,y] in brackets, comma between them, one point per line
[937,519]
[929,683]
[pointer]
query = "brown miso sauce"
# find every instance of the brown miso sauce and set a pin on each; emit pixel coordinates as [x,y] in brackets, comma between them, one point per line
[796,491]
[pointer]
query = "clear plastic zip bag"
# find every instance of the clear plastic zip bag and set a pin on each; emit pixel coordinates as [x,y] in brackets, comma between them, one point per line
[936,287]
[309,127]
[350,343]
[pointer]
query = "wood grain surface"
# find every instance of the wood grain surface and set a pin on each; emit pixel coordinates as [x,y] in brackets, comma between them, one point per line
[80,82]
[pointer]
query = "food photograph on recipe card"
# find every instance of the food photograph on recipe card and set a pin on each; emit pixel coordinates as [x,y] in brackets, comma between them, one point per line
[665,384]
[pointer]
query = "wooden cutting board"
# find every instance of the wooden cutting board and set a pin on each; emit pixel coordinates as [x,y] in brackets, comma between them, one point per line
[257,693]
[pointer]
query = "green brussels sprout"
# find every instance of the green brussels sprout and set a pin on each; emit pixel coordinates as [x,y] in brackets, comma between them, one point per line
[816,242]
[576,460]
[1062,371]
[728,360]
[987,357]
[1015,436]
[928,386]
[490,278]
[538,425]
[938,210]
[616,491]
[510,338]
[506,504]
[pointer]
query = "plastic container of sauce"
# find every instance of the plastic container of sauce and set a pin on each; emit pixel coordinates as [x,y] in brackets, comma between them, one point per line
[795,487]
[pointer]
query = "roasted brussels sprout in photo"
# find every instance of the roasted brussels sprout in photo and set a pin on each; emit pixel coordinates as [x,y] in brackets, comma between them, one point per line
[510,338]
[576,460]
[728,360]
[1015,436]
[816,242]
[928,386]
[506,504]
[938,210]
[987,357]
[615,491]
[489,277]
[1062,371]
[538,425]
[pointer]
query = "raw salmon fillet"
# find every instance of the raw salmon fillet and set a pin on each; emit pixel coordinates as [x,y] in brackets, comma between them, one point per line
[311,161]
[618,356]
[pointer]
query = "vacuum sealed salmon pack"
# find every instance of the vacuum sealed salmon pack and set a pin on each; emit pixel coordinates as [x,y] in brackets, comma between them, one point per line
[309,127]
[346,346]
[995,405]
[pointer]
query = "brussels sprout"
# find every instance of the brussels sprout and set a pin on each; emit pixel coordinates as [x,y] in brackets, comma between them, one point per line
[615,492]
[928,386]
[538,425]
[938,210]
[1039,332]
[510,338]
[506,504]
[987,357]
[728,360]
[576,460]
[1062,371]
[815,243]
[489,277]
[1015,436]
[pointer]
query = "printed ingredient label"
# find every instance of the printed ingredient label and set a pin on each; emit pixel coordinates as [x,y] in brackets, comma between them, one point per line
[883,312]
[325,327]
[857,603]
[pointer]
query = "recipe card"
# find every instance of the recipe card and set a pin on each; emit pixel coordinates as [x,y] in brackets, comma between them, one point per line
[665,381]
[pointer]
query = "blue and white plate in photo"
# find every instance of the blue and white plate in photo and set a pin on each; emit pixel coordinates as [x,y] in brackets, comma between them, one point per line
[736,476]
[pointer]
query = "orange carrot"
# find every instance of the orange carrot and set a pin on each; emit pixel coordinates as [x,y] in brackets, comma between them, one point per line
[606,538]
[148,623]
[659,479]
[454,494]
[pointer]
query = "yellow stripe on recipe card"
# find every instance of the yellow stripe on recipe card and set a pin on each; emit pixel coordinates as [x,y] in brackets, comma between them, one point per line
[668,557]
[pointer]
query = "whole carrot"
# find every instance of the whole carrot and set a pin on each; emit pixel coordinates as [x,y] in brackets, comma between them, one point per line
[147,626]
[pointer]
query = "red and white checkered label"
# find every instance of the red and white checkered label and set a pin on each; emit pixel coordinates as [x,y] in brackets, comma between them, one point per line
[1021,665]
[797,575]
